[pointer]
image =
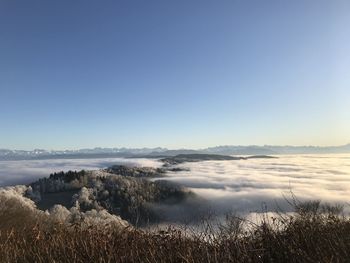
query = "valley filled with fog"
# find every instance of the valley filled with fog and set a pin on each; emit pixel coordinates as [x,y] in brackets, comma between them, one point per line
[258,185]
[243,186]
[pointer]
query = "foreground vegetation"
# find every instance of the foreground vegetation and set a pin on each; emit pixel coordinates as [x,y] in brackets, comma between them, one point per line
[315,233]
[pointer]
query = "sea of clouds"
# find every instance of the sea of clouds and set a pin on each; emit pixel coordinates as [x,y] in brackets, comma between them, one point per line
[259,185]
[243,186]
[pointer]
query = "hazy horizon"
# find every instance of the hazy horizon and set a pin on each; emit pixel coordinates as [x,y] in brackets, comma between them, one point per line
[163,147]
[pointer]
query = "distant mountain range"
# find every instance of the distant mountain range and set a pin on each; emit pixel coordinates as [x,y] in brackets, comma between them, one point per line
[36,154]
[270,149]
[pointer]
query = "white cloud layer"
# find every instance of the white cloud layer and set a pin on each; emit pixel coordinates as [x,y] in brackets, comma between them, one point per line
[261,184]
[240,185]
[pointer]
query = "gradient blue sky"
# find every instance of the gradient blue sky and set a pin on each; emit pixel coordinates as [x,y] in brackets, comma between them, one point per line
[182,73]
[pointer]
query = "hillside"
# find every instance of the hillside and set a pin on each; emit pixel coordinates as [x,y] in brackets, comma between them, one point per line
[133,198]
[182,158]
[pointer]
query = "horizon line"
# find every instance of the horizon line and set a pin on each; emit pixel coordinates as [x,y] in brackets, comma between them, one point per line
[180,148]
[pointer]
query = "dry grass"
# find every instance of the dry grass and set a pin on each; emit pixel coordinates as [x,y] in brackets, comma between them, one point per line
[314,234]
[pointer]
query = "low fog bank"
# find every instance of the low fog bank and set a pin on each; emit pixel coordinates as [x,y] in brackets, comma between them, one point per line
[239,186]
[260,185]
[24,172]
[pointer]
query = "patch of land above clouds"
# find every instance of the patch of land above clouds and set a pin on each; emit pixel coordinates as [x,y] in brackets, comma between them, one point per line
[119,191]
[182,158]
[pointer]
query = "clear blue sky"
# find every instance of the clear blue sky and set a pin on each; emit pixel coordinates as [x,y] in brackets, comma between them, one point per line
[181,73]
